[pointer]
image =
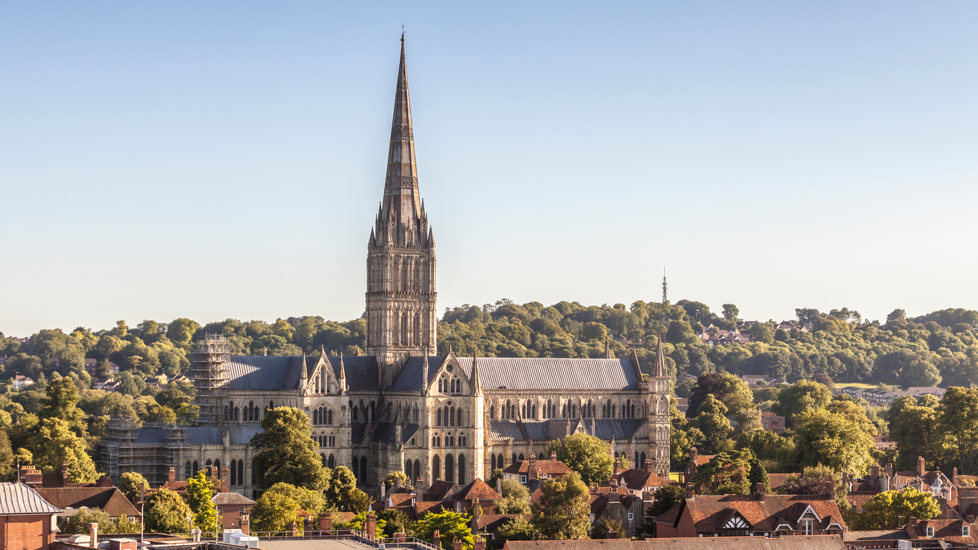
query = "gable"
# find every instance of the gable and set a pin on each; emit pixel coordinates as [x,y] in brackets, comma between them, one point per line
[736,521]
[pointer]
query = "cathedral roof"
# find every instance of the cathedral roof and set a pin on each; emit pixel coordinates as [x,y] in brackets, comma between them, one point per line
[272,372]
[544,430]
[550,373]
[361,371]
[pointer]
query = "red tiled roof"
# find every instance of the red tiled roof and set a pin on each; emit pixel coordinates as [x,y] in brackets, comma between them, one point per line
[109,499]
[709,511]
[478,489]
[549,467]
[638,479]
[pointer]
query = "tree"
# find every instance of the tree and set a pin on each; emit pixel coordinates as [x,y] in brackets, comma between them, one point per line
[516,498]
[180,331]
[311,501]
[517,529]
[891,509]
[563,509]
[450,525]
[166,512]
[730,312]
[959,420]
[608,528]
[725,474]
[273,512]
[7,460]
[199,494]
[822,437]
[286,451]
[78,524]
[917,431]
[816,480]
[799,397]
[585,454]
[132,484]
[666,497]
[358,522]
[55,444]
[713,424]
[60,401]
[394,521]
[733,392]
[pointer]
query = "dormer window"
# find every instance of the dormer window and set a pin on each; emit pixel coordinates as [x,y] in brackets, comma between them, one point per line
[808,527]
[930,532]
[965,530]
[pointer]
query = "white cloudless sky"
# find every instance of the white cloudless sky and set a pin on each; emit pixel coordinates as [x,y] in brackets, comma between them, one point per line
[226,159]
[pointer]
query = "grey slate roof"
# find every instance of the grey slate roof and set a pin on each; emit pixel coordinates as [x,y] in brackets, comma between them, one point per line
[17,498]
[531,373]
[555,429]
[150,436]
[261,372]
[505,429]
[361,372]
[241,434]
[204,435]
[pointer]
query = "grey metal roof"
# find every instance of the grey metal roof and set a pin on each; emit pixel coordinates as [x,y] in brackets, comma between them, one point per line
[549,373]
[261,372]
[241,434]
[361,371]
[620,429]
[150,436]
[17,498]
[204,435]
[505,429]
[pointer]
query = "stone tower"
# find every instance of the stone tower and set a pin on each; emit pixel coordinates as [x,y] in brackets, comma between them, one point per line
[401,297]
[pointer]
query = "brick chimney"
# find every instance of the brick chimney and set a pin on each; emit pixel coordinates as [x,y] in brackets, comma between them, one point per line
[874,471]
[370,526]
[64,474]
[225,475]
[29,475]
[531,462]
[325,522]
[171,476]
[499,486]
[885,482]
[616,470]
[480,544]
[921,466]
[293,529]
[476,513]
[553,458]
[649,468]
[889,470]
[954,474]
[458,544]
[436,537]
[690,491]
[759,490]
[245,524]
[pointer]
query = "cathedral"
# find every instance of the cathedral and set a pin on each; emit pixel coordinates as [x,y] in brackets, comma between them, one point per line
[400,407]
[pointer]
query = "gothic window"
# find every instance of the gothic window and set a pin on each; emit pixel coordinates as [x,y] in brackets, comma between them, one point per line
[414,416]
[439,418]
[641,463]
[225,413]
[450,441]
[521,457]
[234,472]
[436,468]
[461,469]
[604,411]
[217,467]
[449,468]
[492,412]
[499,461]
[452,416]
[187,472]
[523,410]
[353,411]
[460,417]
[417,471]
[514,457]
[196,468]
[465,442]
[329,417]
[363,468]
[624,411]
[493,462]
[241,472]
[632,411]
[331,462]
[315,417]
[563,411]
[533,415]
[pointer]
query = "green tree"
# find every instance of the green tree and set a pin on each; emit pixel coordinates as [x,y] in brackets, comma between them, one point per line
[563,509]
[7,460]
[713,424]
[60,401]
[391,479]
[132,484]
[725,474]
[822,437]
[917,431]
[733,392]
[199,494]
[180,331]
[273,512]
[311,501]
[517,529]
[395,521]
[891,509]
[55,444]
[450,525]
[730,312]
[799,397]
[358,522]
[286,451]
[516,498]
[959,421]
[166,512]
[585,454]
[607,528]
[78,524]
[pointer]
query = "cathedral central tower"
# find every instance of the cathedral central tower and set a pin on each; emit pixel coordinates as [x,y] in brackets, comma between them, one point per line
[401,298]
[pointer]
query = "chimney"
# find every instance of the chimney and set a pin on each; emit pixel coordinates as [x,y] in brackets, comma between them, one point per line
[64,474]
[690,491]
[480,544]
[649,468]
[921,466]
[245,524]
[889,470]
[195,534]
[383,491]
[553,457]
[397,484]
[476,513]
[616,470]
[499,486]
[325,522]
[293,529]
[532,460]
[458,544]
[759,489]
[171,476]
[885,483]
[426,485]
[436,538]
[93,534]
[225,474]
[370,526]
[874,471]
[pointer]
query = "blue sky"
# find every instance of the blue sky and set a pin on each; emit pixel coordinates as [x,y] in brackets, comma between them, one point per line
[226,159]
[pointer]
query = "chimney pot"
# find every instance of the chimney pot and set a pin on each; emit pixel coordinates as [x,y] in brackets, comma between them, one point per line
[171,475]
[93,534]
[553,456]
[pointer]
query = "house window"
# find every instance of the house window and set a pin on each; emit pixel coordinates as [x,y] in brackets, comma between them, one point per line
[522,479]
[965,530]
[631,516]
[807,528]
[930,532]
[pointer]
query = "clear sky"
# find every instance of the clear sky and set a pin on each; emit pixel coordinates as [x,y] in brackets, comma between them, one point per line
[226,159]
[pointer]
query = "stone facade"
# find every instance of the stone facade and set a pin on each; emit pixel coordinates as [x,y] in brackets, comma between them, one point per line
[401,406]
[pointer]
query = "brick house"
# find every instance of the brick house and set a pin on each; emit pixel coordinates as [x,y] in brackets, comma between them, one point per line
[637,481]
[526,471]
[751,516]
[772,422]
[27,521]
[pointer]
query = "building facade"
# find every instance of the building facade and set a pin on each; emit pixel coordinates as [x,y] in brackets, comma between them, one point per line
[401,406]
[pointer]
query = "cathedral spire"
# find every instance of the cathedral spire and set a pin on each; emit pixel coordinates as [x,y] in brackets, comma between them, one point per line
[402,202]
[659,368]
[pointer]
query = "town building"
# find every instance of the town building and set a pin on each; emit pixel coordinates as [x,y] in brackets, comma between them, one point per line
[403,406]
[772,422]
[27,521]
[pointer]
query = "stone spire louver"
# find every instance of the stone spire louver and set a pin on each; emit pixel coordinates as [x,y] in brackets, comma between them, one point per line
[401,297]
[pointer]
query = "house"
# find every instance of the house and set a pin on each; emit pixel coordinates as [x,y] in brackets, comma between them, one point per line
[883,443]
[20,381]
[618,504]
[772,422]
[73,499]
[682,403]
[27,521]
[933,533]
[636,481]
[102,383]
[816,542]
[931,390]
[525,471]
[757,515]
[943,488]
[855,393]
[695,461]
[91,364]
[231,508]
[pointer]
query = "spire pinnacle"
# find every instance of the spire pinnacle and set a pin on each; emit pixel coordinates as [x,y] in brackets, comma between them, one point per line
[401,197]
[659,368]
[476,383]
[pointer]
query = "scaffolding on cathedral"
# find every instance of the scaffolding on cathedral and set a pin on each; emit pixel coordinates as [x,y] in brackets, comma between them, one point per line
[207,361]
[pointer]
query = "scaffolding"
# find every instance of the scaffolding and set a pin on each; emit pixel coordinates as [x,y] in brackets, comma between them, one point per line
[150,449]
[207,360]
